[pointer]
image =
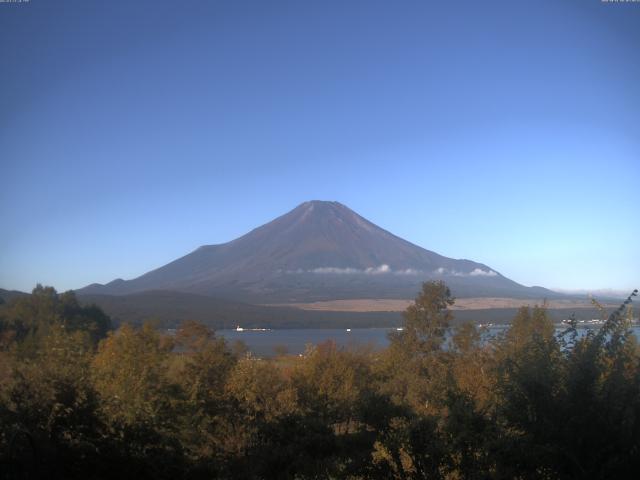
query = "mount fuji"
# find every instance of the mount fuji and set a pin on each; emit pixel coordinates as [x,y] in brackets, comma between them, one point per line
[318,251]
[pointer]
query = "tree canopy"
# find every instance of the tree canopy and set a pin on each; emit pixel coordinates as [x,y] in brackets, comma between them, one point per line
[439,402]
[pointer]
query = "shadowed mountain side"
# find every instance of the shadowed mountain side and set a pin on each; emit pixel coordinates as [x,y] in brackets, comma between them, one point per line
[172,308]
[8,295]
[318,251]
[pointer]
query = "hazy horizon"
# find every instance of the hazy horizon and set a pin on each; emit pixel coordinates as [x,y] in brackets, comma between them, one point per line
[503,133]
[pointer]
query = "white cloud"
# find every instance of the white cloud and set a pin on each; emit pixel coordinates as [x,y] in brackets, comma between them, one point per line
[335,270]
[384,268]
[407,271]
[478,272]
[379,270]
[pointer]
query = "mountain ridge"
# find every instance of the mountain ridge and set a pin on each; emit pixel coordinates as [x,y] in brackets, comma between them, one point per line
[320,250]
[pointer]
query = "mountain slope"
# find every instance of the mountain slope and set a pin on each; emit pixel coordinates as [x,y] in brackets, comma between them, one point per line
[7,295]
[169,309]
[318,251]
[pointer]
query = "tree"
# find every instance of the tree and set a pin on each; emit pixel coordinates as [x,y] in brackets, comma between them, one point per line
[138,402]
[600,430]
[427,319]
[414,366]
[48,394]
[414,373]
[30,317]
[331,383]
[129,374]
[201,369]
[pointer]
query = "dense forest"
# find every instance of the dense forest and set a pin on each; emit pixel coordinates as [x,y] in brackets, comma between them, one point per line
[81,400]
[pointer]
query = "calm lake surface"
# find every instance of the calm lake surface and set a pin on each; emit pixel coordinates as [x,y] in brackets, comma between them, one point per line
[263,343]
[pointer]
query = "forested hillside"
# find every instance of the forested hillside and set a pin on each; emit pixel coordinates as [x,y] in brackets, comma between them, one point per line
[81,400]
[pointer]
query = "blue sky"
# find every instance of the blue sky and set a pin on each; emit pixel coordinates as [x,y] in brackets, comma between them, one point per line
[500,131]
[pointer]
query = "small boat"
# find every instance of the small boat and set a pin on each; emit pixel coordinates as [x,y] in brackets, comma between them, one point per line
[239,329]
[348,329]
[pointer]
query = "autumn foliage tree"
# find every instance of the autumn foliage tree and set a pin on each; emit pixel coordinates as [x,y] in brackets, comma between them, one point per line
[443,400]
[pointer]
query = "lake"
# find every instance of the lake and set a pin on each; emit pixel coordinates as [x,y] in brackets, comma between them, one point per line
[263,343]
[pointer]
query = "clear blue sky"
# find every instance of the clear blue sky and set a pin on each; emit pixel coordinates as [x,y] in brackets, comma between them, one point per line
[507,132]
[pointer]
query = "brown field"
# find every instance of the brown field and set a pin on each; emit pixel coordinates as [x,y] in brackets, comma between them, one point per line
[392,305]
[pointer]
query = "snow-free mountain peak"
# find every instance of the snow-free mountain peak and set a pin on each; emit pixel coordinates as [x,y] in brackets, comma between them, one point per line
[320,250]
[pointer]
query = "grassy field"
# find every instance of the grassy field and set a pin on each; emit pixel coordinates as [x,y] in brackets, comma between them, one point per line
[393,305]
